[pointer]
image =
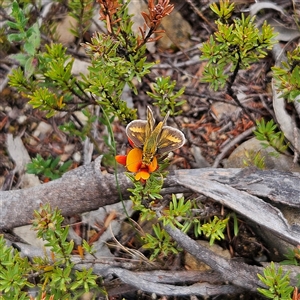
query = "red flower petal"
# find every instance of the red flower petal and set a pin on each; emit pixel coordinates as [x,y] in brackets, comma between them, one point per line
[121,159]
[131,143]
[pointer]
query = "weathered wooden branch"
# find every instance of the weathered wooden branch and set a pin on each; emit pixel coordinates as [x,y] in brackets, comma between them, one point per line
[237,273]
[77,191]
[80,190]
[161,282]
[239,189]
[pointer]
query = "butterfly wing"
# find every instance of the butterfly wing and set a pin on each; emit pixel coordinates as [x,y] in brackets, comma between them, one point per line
[136,132]
[139,131]
[170,140]
[150,122]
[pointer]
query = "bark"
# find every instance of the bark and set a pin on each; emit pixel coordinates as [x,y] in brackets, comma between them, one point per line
[80,190]
[237,273]
[227,186]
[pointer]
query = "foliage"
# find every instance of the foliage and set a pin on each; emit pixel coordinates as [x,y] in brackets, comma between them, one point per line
[57,89]
[184,215]
[49,167]
[214,229]
[163,94]
[160,243]
[254,159]
[31,37]
[13,272]
[56,276]
[267,133]
[108,85]
[144,193]
[278,283]
[287,76]
[236,43]
[82,11]
[293,257]
[117,57]
[177,211]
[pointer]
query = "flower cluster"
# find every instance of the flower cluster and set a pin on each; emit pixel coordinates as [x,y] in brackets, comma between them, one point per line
[133,161]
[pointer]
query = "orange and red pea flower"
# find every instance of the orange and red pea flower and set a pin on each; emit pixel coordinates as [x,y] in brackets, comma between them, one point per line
[133,162]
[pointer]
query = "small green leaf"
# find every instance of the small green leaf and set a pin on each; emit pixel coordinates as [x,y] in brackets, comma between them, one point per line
[16,37]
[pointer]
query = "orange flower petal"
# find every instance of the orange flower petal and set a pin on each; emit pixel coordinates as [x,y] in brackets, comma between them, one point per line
[153,166]
[143,174]
[121,159]
[134,160]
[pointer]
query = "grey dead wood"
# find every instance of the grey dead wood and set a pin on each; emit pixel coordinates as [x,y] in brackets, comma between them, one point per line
[147,285]
[234,272]
[80,190]
[148,282]
[278,186]
[161,282]
[239,189]
[107,266]
[237,276]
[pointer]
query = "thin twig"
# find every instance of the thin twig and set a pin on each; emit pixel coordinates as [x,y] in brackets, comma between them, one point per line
[200,14]
[228,147]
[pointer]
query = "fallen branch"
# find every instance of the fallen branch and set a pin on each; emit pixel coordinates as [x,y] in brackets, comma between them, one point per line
[226,187]
[80,190]
[179,283]
[237,273]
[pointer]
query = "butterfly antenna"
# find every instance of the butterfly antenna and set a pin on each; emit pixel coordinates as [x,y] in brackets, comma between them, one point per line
[166,118]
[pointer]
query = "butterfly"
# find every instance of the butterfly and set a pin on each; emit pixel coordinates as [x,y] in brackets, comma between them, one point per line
[154,140]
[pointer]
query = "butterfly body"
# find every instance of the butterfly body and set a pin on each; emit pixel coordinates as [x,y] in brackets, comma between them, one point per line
[153,140]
